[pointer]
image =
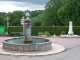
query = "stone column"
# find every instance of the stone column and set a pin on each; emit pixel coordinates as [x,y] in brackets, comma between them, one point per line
[27,31]
[70,32]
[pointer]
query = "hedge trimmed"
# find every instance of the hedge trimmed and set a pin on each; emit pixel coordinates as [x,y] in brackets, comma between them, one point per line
[52,30]
[15,29]
[76,30]
[36,29]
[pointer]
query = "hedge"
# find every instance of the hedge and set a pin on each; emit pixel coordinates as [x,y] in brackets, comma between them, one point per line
[52,30]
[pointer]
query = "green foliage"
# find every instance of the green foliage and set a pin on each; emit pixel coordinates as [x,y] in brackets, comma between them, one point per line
[15,29]
[57,12]
[76,30]
[35,13]
[50,14]
[52,30]
[36,29]
[46,33]
[63,32]
[59,29]
[2,19]
[70,12]
[15,17]
[40,33]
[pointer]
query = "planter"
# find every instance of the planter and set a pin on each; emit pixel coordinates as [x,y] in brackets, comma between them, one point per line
[62,36]
[43,35]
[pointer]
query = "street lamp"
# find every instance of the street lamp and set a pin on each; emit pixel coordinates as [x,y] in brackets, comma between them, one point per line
[7,19]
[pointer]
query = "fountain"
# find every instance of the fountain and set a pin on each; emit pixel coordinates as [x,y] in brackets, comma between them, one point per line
[27,43]
[70,32]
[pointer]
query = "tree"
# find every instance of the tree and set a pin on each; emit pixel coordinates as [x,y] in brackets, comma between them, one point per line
[70,12]
[15,18]
[51,9]
[35,17]
[35,13]
[2,18]
[49,17]
[2,21]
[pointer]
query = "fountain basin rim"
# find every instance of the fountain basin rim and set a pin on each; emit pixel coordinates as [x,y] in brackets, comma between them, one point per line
[25,44]
[44,46]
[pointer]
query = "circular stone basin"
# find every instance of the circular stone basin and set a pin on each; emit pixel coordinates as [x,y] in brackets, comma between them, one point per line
[17,44]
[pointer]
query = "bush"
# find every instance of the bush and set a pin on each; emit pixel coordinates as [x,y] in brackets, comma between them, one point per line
[46,33]
[63,32]
[40,33]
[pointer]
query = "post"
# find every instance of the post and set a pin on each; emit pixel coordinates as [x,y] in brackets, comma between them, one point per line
[7,22]
[27,31]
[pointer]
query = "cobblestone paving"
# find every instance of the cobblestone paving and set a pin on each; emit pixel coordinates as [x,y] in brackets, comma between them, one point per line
[72,51]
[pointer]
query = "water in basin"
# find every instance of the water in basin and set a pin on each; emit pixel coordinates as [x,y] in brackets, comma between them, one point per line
[20,40]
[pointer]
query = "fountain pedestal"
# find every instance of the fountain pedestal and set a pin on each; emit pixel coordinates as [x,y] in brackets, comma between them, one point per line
[27,31]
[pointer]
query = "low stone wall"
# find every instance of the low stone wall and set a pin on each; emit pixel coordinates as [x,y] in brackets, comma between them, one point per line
[27,47]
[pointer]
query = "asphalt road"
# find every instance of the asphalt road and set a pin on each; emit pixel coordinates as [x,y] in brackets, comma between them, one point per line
[72,51]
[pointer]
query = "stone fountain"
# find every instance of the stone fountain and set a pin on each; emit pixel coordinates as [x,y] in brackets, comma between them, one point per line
[27,43]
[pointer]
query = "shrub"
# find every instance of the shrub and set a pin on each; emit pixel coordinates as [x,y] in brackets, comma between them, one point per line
[63,32]
[47,33]
[40,33]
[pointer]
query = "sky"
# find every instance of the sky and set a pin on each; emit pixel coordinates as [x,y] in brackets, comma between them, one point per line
[12,5]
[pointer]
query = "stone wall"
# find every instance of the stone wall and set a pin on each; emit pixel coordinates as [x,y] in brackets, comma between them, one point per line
[27,47]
